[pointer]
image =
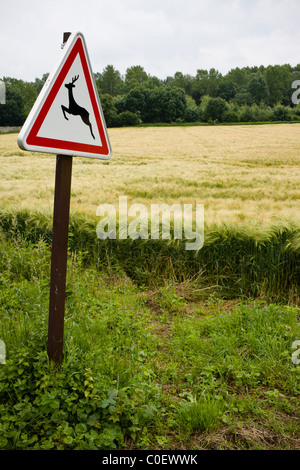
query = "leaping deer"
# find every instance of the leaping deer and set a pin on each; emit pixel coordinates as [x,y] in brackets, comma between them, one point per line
[74,108]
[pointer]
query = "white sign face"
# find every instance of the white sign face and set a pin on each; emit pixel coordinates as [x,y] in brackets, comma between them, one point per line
[67,117]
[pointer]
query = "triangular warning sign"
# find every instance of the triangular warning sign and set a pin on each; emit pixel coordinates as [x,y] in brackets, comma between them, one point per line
[67,117]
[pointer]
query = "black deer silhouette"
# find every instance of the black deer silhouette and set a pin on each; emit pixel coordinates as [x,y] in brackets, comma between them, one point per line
[74,108]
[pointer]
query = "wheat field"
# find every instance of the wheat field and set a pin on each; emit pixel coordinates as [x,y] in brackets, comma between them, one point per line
[242,174]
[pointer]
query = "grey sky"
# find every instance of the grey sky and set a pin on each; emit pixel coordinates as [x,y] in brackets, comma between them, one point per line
[164,36]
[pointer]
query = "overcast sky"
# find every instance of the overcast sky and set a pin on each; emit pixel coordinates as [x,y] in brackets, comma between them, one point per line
[164,36]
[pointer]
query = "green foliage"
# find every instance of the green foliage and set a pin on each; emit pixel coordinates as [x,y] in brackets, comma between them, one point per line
[70,408]
[39,82]
[135,77]
[102,393]
[109,81]
[228,89]
[258,89]
[247,114]
[151,100]
[243,98]
[281,113]
[127,118]
[215,109]
[131,376]
[160,104]
[231,116]
[278,78]
[20,97]
[12,114]
[192,114]
[181,81]
[206,83]
[109,110]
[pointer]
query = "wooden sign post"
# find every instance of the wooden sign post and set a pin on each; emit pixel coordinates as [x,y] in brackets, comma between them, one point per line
[59,255]
[59,124]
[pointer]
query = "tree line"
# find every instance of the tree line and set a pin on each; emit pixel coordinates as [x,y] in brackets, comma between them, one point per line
[242,95]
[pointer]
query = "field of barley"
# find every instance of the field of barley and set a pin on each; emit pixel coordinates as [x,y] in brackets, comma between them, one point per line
[241,173]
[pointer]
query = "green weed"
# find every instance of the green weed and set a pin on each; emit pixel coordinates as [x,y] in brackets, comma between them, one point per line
[201,415]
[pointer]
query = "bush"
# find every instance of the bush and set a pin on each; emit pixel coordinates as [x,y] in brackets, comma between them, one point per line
[192,114]
[281,113]
[261,113]
[247,114]
[231,116]
[127,118]
[215,109]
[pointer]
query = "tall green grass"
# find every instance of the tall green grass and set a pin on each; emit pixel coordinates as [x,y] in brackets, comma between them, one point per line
[234,261]
[133,377]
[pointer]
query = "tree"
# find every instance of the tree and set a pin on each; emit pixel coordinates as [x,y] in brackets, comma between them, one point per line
[247,114]
[239,76]
[215,109]
[243,97]
[192,112]
[160,104]
[12,112]
[278,79]
[231,116]
[136,101]
[26,90]
[168,104]
[39,82]
[258,90]
[281,113]
[227,90]
[200,85]
[110,81]
[109,110]
[214,81]
[135,76]
[206,83]
[181,81]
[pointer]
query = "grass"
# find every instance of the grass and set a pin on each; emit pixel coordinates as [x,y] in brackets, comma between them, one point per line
[235,261]
[142,369]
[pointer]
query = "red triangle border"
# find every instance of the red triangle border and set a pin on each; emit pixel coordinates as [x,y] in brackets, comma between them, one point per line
[34,140]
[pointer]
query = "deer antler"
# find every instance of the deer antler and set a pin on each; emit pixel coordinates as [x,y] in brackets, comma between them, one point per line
[75,78]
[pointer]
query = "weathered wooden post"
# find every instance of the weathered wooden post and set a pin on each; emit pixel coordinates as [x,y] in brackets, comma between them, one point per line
[59,255]
[47,129]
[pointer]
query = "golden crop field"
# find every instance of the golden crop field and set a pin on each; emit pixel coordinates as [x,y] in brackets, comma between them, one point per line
[240,173]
